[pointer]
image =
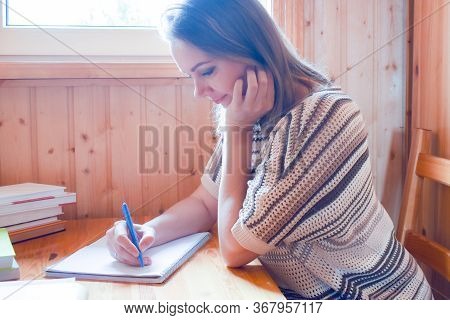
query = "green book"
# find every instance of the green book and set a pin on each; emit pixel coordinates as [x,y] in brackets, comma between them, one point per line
[7,253]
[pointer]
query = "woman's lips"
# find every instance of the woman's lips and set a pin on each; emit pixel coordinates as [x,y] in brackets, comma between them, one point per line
[220,100]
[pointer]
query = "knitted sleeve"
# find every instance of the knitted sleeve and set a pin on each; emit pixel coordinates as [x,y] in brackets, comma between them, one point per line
[309,153]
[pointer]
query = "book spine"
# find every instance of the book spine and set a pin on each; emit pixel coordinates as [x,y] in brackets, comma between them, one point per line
[34,205]
[38,231]
[32,200]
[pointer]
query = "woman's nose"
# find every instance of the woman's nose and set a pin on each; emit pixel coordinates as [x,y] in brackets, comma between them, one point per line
[199,88]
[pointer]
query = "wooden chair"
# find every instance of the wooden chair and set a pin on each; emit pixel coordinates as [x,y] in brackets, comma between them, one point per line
[422,165]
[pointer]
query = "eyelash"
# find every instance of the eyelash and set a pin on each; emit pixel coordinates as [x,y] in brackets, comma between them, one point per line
[208,72]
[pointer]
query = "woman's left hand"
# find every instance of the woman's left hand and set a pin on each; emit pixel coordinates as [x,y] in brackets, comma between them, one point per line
[247,108]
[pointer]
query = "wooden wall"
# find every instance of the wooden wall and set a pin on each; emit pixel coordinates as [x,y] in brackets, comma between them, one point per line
[362,46]
[106,140]
[84,133]
[430,109]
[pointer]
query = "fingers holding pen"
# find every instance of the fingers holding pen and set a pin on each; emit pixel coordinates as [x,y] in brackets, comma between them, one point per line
[125,249]
[116,251]
[146,236]
[121,246]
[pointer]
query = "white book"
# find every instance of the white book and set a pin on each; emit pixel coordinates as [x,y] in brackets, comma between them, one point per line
[55,289]
[30,215]
[7,253]
[26,191]
[30,224]
[65,198]
[11,273]
[94,262]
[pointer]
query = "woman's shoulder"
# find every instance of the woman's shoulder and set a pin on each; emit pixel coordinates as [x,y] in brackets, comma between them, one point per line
[320,115]
[323,96]
[313,106]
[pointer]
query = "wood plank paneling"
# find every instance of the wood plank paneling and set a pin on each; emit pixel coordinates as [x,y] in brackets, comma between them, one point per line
[87,135]
[431,110]
[15,136]
[289,15]
[388,101]
[91,149]
[156,149]
[194,140]
[54,154]
[53,135]
[323,20]
[125,119]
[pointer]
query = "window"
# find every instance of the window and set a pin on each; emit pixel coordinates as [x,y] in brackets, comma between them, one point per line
[84,13]
[107,28]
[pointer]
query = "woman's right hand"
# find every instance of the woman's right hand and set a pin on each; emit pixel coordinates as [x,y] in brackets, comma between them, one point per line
[257,100]
[121,247]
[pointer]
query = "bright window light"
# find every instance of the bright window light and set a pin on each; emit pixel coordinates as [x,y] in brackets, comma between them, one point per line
[87,13]
[113,29]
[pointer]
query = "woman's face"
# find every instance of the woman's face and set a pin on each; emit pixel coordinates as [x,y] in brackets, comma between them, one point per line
[214,78]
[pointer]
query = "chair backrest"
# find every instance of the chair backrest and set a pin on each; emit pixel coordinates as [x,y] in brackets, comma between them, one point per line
[422,164]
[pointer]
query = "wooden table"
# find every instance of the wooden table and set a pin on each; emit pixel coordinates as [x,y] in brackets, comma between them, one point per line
[204,276]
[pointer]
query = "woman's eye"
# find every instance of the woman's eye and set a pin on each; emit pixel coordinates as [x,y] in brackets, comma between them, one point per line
[208,72]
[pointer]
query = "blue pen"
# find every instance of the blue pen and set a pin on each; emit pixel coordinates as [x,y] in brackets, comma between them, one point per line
[133,235]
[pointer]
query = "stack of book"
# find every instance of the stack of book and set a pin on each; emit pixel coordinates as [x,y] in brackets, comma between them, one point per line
[9,269]
[30,210]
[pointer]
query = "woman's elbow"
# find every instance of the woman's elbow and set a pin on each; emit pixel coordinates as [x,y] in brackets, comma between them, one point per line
[233,259]
[231,262]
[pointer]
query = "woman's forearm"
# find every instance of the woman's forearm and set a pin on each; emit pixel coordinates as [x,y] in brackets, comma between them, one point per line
[187,216]
[236,163]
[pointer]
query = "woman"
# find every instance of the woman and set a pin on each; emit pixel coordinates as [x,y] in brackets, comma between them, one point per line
[290,179]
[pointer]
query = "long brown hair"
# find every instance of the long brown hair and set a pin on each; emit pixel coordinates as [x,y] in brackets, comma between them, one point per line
[243,30]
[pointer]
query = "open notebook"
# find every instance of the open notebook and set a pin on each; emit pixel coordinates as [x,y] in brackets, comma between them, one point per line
[94,261]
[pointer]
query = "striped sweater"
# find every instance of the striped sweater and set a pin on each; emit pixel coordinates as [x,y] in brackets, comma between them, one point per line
[311,212]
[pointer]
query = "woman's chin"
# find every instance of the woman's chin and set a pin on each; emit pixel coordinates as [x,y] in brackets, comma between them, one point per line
[223,104]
